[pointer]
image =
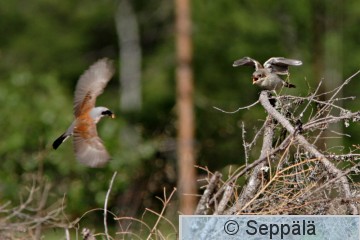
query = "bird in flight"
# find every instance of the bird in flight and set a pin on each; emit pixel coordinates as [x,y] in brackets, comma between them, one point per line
[266,77]
[89,148]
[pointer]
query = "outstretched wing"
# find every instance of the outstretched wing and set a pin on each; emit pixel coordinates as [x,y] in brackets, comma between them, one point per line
[246,61]
[280,65]
[91,84]
[89,148]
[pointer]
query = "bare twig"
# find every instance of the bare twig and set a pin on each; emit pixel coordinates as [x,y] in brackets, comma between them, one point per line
[144,224]
[67,234]
[355,116]
[310,99]
[343,174]
[106,204]
[165,202]
[241,108]
[245,145]
[338,89]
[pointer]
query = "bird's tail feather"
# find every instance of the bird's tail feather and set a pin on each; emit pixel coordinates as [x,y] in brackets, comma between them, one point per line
[289,85]
[60,140]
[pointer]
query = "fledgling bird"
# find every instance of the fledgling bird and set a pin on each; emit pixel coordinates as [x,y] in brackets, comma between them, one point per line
[89,148]
[266,77]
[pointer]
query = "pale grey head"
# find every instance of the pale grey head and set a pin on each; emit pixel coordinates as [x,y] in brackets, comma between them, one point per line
[99,112]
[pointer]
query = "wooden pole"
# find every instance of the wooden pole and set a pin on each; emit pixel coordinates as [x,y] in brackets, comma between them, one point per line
[185,109]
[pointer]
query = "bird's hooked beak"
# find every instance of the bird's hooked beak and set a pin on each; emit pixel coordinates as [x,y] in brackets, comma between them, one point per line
[108,113]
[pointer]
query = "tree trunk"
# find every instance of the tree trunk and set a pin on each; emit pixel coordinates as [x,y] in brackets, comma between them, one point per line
[185,88]
[130,57]
[130,87]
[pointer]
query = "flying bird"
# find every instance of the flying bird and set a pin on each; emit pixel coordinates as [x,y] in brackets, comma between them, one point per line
[89,148]
[266,77]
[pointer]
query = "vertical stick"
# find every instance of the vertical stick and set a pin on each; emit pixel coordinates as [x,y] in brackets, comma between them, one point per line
[105,206]
[185,89]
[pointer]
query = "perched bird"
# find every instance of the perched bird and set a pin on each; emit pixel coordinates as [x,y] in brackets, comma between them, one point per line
[88,147]
[266,77]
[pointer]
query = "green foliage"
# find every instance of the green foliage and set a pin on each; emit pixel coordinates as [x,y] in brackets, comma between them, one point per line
[28,118]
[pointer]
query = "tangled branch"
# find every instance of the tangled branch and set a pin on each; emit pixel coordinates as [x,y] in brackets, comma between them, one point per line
[292,174]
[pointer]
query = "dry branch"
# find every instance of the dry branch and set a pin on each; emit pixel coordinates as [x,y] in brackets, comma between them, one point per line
[256,177]
[29,218]
[331,168]
[203,204]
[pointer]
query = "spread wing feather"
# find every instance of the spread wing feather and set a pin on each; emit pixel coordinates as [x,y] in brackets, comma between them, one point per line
[89,148]
[247,61]
[280,65]
[91,84]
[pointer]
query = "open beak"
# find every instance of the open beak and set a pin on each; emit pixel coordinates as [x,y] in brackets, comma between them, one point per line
[254,80]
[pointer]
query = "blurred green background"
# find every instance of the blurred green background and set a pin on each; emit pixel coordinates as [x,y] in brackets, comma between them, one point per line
[45,46]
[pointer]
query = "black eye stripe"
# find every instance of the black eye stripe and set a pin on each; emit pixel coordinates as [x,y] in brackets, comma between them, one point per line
[107,112]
